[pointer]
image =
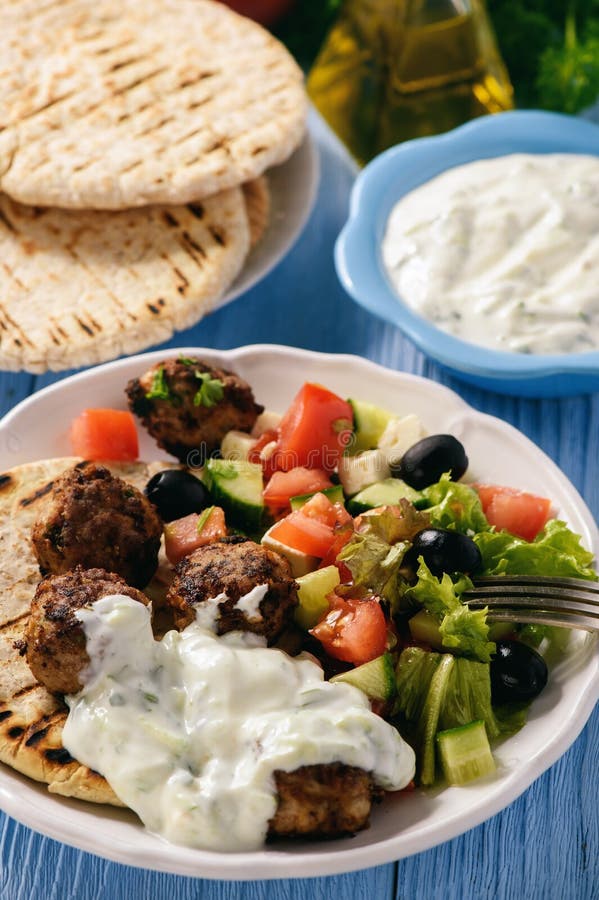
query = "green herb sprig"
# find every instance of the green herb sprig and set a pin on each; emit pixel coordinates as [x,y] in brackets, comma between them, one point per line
[210,392]
[159,389]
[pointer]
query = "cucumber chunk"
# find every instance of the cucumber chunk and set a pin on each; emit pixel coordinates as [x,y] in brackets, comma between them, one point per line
[236,485]
[387,492]
[369,423]
[424,628]
[376,678]
[312,595]
[465,753]
[335,495]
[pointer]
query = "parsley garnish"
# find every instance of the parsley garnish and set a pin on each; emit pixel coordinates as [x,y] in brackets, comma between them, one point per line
[159,389]
[210,392]
[186,361]
[204,518]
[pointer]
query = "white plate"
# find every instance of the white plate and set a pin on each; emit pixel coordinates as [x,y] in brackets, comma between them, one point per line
[403,824]
[293,187]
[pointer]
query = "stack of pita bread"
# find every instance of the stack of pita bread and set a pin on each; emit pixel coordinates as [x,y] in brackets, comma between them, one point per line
[134,138]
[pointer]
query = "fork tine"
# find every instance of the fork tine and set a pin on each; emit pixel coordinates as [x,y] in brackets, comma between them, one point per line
[539,581]
[527,594]
[549,604]
[566,602]
[541,617]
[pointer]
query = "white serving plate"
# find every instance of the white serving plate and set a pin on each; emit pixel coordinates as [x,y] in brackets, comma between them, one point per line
[406,823]
[293,186]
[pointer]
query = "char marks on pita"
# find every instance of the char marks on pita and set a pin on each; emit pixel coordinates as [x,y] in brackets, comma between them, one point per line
[110,104]
[78,288]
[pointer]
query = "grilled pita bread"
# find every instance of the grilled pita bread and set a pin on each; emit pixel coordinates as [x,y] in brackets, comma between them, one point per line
[111,104]
[31,718]
[257,202]
[79,288]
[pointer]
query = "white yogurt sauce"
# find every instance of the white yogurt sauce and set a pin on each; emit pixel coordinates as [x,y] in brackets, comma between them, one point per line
[189,730]
[503,252]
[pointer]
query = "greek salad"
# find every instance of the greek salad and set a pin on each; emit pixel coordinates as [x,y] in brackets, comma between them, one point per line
[382,530]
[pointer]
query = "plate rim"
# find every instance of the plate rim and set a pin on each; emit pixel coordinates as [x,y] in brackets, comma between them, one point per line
[274,864]
[308,150]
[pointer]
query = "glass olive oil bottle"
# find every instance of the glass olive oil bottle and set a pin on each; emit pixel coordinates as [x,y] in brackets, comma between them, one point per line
[391,70]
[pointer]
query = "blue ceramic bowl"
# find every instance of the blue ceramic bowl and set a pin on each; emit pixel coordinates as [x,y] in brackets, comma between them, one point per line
[404,167]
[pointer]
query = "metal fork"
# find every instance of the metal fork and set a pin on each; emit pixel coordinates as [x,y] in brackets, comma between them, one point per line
[567,602]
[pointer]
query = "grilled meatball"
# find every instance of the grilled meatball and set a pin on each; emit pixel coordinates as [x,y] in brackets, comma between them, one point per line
[234,566]
[188,406]
[95,519]
[322,801]
[54,636]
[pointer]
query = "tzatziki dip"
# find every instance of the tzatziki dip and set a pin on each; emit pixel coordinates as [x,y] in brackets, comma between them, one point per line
[503,252]
[189,730]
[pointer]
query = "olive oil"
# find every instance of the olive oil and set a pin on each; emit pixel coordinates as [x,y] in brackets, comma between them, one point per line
[391,70]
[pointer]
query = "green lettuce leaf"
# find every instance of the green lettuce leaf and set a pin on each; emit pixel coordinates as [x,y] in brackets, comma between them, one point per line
[468,697]
[413,674]
[555,551]
[455,506]
[422,679]
[375,564]
[374,555]
[467,632]
[436,691]
[392,526]
[463,630]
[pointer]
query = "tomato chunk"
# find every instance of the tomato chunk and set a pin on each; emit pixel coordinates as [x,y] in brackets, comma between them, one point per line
[318,528]
[284,485]
[354,631]
[341,536]
[105,434]
[320,507]
[304,534]
[515,511]
[182,536]
[314,431]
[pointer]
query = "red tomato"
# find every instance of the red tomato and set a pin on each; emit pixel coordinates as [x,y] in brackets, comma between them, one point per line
[314,431]
[341,537]
[320,507]
[304,534]
[182,535]
[105,434]
[284,485]
[264,11]
[320,528]
[515,511]
[353,630]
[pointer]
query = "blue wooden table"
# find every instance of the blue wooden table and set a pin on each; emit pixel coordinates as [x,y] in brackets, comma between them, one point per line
[545,846]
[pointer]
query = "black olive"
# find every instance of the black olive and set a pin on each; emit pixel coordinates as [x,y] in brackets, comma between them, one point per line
[517,672]
[176,493]
[444,551]
[424,462]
